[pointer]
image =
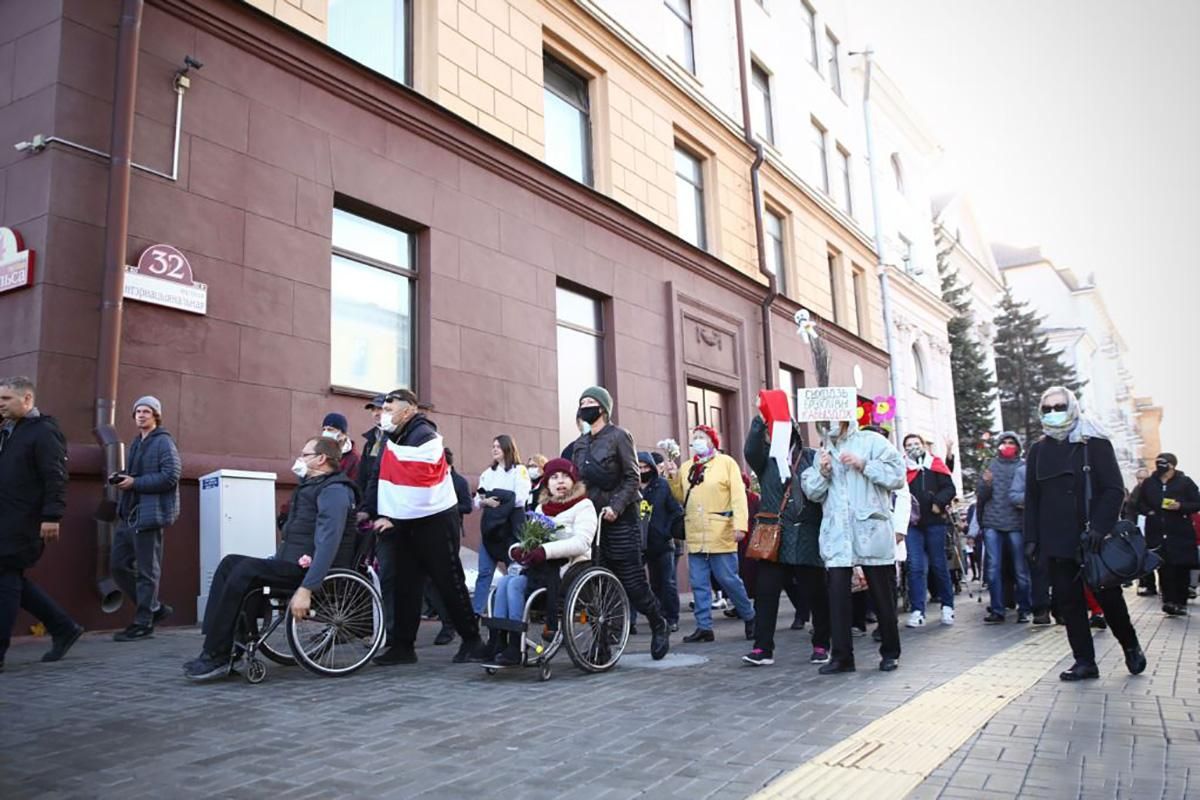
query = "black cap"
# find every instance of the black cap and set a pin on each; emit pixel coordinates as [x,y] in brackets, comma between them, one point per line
[376,401]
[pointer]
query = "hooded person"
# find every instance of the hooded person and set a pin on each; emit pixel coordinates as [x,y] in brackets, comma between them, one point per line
[775,451]
[1001,521]
[1074,461]
[662,519]
[853,479]
[932,487]
[1167,499]
[335,427]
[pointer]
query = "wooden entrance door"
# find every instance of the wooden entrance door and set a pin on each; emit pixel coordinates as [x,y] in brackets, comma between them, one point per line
[706,407]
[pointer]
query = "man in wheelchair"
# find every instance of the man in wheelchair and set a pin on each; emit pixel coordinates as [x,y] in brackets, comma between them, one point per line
[314,539]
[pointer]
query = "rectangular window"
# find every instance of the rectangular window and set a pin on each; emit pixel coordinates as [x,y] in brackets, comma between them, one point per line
[843,166]
[773,228]
[372,286]
[906,252]
[835,74]
[832,258]
[860,300]
[580,354]
[568,122]
[689,197]
[682,45]
[375,33]
[820,167]
[760,103]
[809,18]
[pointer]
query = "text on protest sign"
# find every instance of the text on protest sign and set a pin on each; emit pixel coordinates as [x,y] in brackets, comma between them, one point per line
[827,404]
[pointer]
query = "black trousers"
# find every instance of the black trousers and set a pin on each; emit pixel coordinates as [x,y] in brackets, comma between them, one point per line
[137,567]
[434,597]
[1039,580]
[235,576]
[18,592]
[881,582]
[621,551]
[1149,581]
[427,547]
[1174,582]
[773,578]
[1067,579]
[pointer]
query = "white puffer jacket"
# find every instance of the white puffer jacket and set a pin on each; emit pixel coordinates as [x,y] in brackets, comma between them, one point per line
[576,527]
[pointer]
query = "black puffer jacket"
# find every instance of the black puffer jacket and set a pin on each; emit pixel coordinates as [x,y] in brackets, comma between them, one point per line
[33,486]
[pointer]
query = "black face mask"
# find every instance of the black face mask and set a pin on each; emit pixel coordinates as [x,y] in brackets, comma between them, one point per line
[647,477]
[589,414]
[1162,468]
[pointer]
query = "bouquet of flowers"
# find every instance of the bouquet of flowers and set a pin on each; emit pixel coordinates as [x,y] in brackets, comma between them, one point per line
[670,447]
[536,531]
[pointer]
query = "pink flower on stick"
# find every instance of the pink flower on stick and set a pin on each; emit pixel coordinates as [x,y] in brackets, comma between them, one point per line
[305,561]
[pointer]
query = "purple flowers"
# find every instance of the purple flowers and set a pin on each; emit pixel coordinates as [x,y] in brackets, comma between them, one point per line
[536,531]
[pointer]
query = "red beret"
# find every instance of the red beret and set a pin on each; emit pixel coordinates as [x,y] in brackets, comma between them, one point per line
[712,435]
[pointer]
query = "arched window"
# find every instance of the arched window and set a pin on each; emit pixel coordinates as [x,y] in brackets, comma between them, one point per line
[919,380]
[898,172]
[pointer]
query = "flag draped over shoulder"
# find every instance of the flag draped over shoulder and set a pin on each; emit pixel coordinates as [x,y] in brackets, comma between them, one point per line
[415,482]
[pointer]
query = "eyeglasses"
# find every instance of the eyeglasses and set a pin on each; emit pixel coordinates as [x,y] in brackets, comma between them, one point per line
[1056,407]
[308,455]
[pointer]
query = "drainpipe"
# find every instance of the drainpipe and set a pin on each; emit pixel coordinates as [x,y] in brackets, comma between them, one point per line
[755,189]
[880,265]
[108,354]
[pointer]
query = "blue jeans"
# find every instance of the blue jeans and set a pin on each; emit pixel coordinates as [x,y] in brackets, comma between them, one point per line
[702,568]
[483,583]
[510,597]
[995,543]
[927,553]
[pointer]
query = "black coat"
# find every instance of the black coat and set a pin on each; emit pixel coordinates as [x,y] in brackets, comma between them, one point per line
[1055,516]
[1171,531]
[932,488]
[33,487]
[368,461]
[417,431]
[607,464]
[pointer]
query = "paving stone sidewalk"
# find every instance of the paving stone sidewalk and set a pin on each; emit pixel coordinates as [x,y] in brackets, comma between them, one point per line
[118,720]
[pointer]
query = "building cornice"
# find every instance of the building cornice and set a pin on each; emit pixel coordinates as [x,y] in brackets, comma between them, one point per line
[920,294]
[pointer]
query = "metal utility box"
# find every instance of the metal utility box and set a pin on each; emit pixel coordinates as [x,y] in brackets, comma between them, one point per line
[237,515]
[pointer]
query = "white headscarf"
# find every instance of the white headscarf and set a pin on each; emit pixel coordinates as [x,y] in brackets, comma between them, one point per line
[1078,426]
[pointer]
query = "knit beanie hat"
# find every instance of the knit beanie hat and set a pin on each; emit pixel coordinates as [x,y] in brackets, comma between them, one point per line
[601,396]
[335,420]
[556,465]
[150,402]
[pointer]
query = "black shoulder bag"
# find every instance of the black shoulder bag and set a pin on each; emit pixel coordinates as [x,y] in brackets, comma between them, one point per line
[1123,555]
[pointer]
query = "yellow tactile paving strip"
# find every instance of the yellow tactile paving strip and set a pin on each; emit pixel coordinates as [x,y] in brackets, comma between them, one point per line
[891,756]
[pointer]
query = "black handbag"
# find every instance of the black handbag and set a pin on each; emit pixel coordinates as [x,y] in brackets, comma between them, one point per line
[1123,555]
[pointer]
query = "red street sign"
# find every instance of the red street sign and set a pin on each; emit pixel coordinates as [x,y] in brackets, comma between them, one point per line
[16,264]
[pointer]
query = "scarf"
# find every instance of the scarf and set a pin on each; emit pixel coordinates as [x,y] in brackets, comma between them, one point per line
[931,463]
[696,471]
[552,508]
[1078,426]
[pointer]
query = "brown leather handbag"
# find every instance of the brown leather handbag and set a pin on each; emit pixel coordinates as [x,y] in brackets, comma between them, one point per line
[768,532]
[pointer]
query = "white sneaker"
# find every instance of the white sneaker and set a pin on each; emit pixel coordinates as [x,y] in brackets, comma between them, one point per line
[947,615]
[915,620]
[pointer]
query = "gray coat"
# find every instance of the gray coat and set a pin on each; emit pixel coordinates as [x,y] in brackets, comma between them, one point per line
[154,464]
[999,512]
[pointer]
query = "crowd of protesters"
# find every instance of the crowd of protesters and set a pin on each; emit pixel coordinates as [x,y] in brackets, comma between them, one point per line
[850,524]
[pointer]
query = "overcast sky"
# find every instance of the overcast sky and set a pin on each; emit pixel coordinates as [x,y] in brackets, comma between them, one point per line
[1074,124]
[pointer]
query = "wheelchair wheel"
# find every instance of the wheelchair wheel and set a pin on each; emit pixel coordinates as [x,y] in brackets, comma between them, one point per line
[256,671]
[275,647]
[344,627]
[595,620]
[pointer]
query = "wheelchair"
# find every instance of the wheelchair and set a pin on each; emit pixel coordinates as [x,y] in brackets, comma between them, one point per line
[343,631]
[593,623]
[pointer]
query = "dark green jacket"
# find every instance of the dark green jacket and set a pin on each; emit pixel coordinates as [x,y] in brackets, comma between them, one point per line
[801,519]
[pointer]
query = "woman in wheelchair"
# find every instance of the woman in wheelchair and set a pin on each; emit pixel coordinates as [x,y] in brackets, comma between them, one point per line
[564,499]
[315,538]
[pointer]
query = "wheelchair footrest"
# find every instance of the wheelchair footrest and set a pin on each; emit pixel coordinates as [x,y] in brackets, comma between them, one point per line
[503,624]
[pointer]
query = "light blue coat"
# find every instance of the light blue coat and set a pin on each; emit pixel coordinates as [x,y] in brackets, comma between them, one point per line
[857,525]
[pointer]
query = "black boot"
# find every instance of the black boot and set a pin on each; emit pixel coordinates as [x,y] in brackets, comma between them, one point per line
[660,638]
[511,656]
[835,667]
[1135,660]
[1080,672]
[495,643]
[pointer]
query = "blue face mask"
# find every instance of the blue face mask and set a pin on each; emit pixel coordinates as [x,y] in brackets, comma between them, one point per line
[1055,419]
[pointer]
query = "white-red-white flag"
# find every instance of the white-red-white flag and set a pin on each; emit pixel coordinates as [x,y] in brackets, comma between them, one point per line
[415,482]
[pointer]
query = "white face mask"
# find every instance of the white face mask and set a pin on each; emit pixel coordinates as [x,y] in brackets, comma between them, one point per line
[387,422]
[700,447]
[346,445]
[534,473]
[584,427]
[300,468]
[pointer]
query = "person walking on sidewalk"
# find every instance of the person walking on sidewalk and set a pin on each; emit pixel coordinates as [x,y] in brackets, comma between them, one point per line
[799,560]
[1002,522]
[663,517]
[716,518]
[1168,499]
[33,499]
[930,483]
[853,479]
[1058,469]
[606,461]
[149,504]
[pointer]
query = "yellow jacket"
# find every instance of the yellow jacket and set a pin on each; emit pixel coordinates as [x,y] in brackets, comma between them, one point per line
[715,508]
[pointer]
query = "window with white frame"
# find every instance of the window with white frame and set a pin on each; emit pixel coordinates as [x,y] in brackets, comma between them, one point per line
[820,157]
[859,277]
[580,345]
[920,382]
[773,228]
[682,42]
[844,185]
[689,196]
[835,73]
[760,105]
[833,260]
[372,287]
[375,33]
[808,17]
[906,253]
[568,120]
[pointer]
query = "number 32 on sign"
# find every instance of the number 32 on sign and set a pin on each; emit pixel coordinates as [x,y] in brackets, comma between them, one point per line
[164,277]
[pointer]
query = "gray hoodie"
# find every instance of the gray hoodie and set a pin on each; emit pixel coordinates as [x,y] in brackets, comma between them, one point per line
[995,496]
